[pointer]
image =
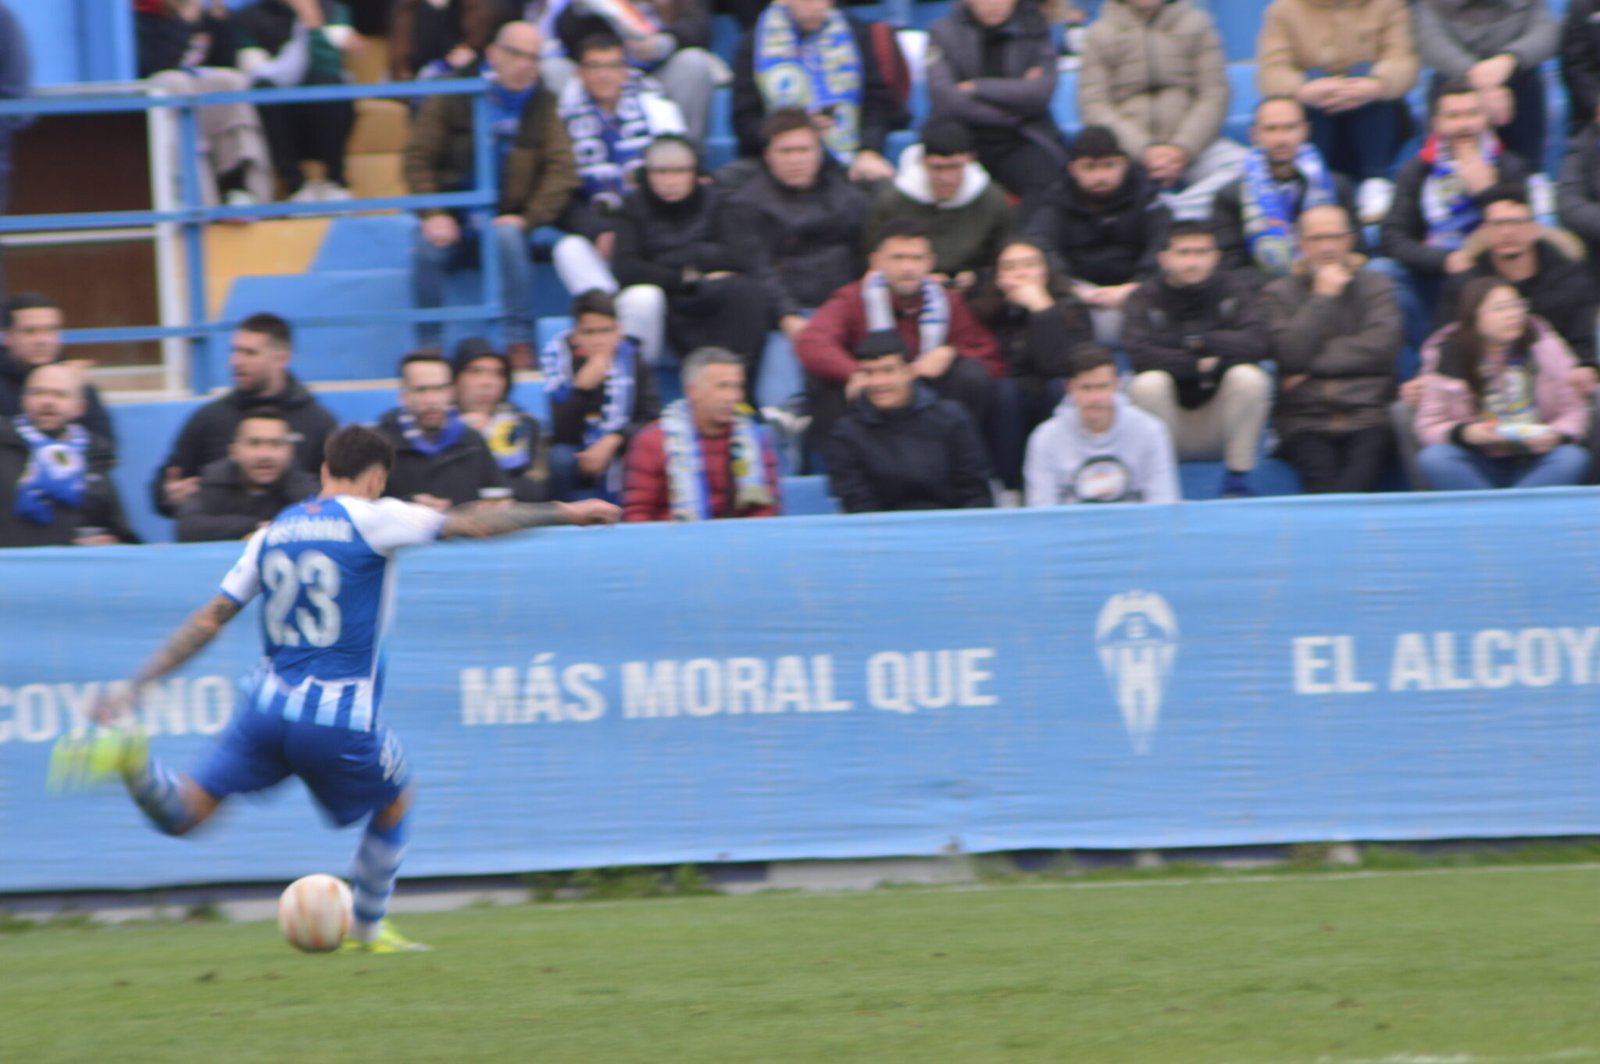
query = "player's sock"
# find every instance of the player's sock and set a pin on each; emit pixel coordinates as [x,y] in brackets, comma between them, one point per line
[157,793]
[372,877]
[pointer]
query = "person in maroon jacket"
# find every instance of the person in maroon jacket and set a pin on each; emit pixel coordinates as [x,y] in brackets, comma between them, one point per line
[948,347]
[706,457]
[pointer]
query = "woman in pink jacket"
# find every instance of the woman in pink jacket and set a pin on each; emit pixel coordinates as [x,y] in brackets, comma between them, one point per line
[1497,410]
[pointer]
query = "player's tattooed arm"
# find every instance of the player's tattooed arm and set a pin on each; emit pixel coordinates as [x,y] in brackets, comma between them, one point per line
[189,639]
[479,521]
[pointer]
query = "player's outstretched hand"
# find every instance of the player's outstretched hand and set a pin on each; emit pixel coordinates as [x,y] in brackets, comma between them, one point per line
[591,512]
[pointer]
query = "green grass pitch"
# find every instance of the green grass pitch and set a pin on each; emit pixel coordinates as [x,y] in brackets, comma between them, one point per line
[1473,966]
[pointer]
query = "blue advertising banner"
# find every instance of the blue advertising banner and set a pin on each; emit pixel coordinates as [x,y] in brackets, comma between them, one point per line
[1200,674]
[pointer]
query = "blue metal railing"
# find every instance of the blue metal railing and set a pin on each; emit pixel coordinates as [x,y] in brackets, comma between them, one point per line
[192,218]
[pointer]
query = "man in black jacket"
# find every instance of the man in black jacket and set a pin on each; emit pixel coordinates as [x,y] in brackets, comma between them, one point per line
[901,447]
[259,360]
[1580,62]
[439,460]
[668,236]
[32,324]
[1195,336]
[244,491]
[1102,223]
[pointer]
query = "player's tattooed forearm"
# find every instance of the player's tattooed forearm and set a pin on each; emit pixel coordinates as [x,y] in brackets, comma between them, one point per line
[192,636]
[482,521]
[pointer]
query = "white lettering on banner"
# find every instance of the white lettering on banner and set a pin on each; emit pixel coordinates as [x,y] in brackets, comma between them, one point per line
[898,681]
[43,712]
[1489,659]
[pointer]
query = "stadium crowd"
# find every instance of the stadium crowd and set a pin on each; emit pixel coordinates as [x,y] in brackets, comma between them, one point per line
[1009,312]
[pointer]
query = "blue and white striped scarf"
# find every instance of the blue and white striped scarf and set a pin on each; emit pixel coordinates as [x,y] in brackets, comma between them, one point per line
[57,472]
[608,148]
[1269,209]
[617,409]
[688,488]
[933,320]
[815,72]
[1450,209]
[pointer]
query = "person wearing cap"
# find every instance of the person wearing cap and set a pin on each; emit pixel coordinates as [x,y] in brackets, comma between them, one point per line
[439,460]
[899,446]
[942,186]
[483,396]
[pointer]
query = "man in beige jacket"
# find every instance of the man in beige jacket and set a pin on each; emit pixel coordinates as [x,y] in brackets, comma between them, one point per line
[1349,62]
[1153,71]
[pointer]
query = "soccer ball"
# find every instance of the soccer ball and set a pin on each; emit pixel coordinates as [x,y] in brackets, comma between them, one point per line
[314,913]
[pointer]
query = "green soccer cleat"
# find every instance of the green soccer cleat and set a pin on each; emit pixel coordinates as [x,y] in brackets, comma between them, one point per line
[388,941]
[81,760]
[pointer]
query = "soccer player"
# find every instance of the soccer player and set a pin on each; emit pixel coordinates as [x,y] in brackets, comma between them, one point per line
[311,710]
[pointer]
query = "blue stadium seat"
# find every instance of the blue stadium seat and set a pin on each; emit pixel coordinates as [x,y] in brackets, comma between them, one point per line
[1064,104]
[366,241]
[1243,95]
[804,496]
[1203,480]
[725,35]
[346,352]
[145,432]
[780,377]
[1239,23]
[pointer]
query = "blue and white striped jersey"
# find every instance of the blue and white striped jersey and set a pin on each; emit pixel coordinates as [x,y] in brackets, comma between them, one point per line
[326,568]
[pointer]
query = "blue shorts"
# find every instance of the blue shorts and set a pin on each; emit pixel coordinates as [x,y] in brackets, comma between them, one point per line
[351,774]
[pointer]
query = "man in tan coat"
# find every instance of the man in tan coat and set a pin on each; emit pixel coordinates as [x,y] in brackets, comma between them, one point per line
[1153,71]
[537,177]
[1349,62]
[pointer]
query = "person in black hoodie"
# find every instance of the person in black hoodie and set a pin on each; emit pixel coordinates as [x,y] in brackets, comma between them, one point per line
[796,226]
[899,446]
[1103,223]
[1195,336]
[439,460]
[667,236]
[246,490]
[259,360]
[32,324]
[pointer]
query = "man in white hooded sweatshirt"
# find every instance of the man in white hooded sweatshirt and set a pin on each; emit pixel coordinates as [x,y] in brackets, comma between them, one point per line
[1097,446]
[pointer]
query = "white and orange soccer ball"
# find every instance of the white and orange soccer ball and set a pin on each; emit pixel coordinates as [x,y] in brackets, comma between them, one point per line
[314,913]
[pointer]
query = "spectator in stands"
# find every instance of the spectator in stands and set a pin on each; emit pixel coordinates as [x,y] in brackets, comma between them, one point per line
[286,43]
[946,345]
[244,491]
[188,46]
[1195,336]
[1038,320]
[808,55]
[1102,221]
[1580,63]
[1544,265]
[439,460]
[942,187]
[1497,46]
[1497,407]
[262,347]
[1336,333]
[601,393]
[441,38]
[796,225]
[32,336]
[1578,194]
[16,79]
[55,475]
[1254,217]
[537,177]
[1097,446]
[1436,206]
[611,114]
[667,39]
[483,395]
[992,67]
[706,457]
[1153,73]
[668,237]
[898,445]
[1350,62]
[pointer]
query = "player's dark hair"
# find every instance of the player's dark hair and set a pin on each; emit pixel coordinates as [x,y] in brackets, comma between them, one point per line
[26,301]
[594,301]
[598,42]
[784,120]
[269,325]
[419,357]
[1189,227]
[1085,357]
[351,450]
[902,227]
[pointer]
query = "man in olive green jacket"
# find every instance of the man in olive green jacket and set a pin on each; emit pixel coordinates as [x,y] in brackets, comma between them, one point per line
[537,176]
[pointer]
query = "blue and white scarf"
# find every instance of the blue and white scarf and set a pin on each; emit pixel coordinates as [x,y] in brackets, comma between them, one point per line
[688,488]
[608,148]
[1451,211]
[1270,209]
[449,433]
[617,408]
[816,72]
[933,320]
[57,472]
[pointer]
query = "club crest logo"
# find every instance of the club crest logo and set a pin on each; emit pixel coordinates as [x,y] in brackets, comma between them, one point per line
[1136,636]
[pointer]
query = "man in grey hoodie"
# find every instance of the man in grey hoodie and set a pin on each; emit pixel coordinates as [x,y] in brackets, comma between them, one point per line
[1097,446]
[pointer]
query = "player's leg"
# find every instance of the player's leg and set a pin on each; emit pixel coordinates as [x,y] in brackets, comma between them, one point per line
[173,802]
[373,872]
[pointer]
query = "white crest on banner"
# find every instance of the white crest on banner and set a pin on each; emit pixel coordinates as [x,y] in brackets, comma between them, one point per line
[1137,638]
